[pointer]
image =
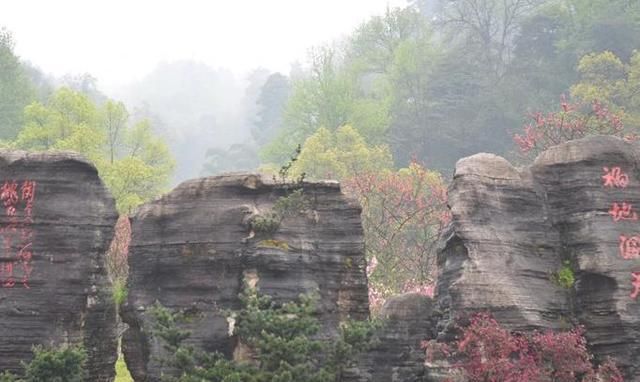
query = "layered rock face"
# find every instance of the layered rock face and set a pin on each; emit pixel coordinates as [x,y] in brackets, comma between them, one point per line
[193,249]
[397,355]
[56,225]
[514,229]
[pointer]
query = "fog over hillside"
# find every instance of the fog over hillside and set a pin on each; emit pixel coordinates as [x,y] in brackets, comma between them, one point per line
[195,68]
[194,106]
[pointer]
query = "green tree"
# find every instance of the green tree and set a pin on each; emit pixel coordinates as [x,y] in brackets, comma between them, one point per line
[68,121]
[281,338]
[487,29]
[114,121]
[339,154]
[134,163]
[142,171]
[373,44]
[16,90]
[605,78]
[238,157]
[271,104]
[599,25]
[320,99]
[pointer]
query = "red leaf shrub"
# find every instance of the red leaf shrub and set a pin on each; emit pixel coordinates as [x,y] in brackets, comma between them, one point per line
[486,352]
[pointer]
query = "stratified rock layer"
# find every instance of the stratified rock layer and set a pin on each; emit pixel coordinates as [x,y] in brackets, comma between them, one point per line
[397,354]
[514,229]
[192,249]
[56,224]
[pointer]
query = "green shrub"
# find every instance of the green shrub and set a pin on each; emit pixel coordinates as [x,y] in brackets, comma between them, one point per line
[294,203]
[266,224]
[565,277]
[119,292]
[280,336]
[52,365]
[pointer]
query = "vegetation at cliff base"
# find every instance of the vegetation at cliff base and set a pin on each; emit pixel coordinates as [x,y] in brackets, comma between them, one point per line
[65,364]
[274,342]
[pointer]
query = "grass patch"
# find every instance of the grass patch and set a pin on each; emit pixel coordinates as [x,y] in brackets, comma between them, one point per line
[122,373]
[119,291]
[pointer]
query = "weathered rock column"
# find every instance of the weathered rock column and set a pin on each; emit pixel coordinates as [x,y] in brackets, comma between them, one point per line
[192,248]
[56,225]
[513,229]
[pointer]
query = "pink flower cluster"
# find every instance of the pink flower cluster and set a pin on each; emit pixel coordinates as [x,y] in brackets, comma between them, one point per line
[117,256]
[573,121]
[403,213]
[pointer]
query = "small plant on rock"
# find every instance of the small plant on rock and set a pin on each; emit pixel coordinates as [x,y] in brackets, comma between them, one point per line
[294,201]
[564,277]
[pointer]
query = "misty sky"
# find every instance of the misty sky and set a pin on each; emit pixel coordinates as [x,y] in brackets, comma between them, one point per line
[119,41]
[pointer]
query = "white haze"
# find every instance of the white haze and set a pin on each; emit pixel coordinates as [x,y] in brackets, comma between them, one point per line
[119,41]
[184,64]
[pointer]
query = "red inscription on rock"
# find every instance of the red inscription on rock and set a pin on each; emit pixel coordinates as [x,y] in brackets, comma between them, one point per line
[629,247]
[17,233]
[636,285]
[615,177]
[622,211]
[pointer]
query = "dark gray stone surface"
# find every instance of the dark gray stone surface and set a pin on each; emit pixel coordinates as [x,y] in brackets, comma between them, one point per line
[53,284]
[192,248]
[513,228]
[397,355]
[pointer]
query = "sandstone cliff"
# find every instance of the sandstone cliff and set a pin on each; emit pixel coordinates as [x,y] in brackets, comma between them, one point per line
[192,249]
[514,229]
[56,224]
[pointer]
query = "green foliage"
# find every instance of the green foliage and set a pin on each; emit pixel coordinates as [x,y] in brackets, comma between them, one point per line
[134,163]
[328,96]
[53,365]
[119,291]
[294,203]
[340,154]
[564,277]
[605,78]
[281,339]
[272,101]
[16,90]
[122,373]
[238,157]
[266,223]
[456,80]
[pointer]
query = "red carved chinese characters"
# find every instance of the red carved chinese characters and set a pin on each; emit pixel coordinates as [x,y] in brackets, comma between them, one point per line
[17,233]
[636,285]
[629,247]
[614,177]
[622,211]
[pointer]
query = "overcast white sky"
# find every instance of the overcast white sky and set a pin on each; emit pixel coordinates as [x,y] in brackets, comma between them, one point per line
[119,41]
